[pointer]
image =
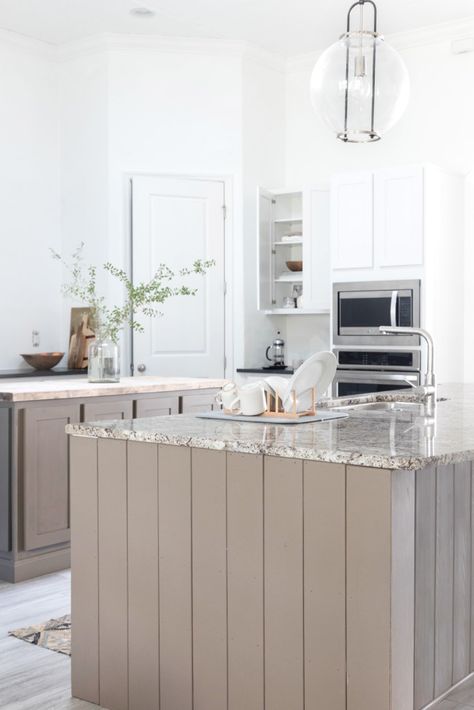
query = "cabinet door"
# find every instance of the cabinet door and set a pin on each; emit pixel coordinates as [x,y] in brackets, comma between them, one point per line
[157,406]
[45,455]
[265,246]
[352,229]
[316,249]
[399,216]
[202,402]
[5,478]
[107,408]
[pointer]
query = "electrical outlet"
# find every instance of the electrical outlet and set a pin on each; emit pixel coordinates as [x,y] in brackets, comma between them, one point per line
[35,338]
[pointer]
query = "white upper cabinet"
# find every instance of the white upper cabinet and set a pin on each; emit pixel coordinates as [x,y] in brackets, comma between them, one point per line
[264,249]
[317,248]
[352,221]
[293,235]
[398,216]
[377,224]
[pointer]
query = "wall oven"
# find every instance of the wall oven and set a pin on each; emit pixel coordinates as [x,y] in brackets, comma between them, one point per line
[360,308]
[348,383]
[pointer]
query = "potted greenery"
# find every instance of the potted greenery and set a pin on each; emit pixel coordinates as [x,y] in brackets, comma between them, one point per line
[141,300]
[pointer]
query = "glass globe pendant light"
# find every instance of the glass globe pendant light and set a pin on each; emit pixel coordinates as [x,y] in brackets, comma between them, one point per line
[360,85]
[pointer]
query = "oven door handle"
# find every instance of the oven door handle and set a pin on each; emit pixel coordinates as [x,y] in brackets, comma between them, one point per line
[376,377]
[393,309]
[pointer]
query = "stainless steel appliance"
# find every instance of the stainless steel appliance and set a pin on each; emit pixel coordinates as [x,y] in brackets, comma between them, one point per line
[348,383]
[277,356]
[365,371]
[360,308]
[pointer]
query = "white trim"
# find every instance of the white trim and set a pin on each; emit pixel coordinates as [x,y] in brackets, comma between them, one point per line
[430,34]
[229,255]
[408,39]
[109,42]
[28,44]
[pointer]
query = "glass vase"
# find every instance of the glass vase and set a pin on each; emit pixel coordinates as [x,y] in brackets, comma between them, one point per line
[104,361]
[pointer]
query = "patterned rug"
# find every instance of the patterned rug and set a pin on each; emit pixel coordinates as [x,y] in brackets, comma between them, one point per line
[55,634]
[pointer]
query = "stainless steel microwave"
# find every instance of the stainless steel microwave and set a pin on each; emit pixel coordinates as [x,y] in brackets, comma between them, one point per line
[359,309]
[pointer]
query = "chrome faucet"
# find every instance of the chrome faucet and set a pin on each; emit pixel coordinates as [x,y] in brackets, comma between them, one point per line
[429,384]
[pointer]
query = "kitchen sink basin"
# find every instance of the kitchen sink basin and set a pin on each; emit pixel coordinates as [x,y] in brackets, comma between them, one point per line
[383,407]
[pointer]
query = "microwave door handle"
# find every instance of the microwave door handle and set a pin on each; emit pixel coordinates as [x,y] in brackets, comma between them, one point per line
[393,309]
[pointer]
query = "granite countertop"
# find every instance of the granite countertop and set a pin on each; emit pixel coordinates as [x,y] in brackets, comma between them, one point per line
[379,439]
[66,388]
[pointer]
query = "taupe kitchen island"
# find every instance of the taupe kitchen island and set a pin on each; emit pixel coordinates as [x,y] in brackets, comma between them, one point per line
[34,454]
[229,566]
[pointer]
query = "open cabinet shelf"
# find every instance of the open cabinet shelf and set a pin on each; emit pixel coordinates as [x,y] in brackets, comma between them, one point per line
[304,215]
[297,312]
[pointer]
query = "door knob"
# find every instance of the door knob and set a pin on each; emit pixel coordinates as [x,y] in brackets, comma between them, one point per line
[141,367]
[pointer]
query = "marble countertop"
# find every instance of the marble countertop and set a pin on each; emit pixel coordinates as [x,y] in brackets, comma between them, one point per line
[379,439]
[66,388]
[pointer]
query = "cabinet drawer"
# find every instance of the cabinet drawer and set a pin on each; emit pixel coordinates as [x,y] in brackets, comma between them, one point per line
[157,406]
[45,455]
[108,408]
[202,402]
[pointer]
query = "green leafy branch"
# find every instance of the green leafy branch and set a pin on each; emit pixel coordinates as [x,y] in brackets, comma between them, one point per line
[141,299]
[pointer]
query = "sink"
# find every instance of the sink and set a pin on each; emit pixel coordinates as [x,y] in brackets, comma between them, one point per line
[383,407]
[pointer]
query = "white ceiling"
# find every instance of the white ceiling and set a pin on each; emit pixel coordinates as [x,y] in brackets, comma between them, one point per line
[288,27]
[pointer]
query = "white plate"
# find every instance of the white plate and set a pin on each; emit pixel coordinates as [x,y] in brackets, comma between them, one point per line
[317,371]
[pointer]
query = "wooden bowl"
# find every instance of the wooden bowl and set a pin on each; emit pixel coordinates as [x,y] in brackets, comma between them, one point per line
[295,265]
[42,361]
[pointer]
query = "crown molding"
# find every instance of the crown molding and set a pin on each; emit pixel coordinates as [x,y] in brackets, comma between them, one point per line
[432,34]
[161,44]
[27,44]
[409,39]
[107,42]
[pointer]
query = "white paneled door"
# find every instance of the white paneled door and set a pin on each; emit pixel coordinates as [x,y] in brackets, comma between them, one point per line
[175,221]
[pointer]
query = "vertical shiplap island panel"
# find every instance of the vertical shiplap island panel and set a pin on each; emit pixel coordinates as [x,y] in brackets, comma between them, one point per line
[143,598]
[444,578]
[175,625]
[462,571]
[245,581]
[113,574]
[209,535]
[368,588]
[283,531]
[325,585]
[425,545]
[85,565]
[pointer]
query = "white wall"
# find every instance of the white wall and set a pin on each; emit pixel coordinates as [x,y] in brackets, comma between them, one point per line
[200,108]
[29,200]
[203,111]
[171,113]
[263,140]
[84,168]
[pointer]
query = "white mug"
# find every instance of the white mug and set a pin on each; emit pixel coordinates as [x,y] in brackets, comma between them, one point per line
[227,396]
[251,399]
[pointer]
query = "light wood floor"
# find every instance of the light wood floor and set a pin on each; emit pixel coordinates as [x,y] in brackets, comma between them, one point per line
[32,678]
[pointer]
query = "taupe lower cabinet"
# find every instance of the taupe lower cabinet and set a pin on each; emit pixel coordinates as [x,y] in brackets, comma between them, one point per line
[34,471]
[214,580]
[44,461]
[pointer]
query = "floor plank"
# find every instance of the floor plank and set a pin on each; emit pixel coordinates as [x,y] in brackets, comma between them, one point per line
[31,677]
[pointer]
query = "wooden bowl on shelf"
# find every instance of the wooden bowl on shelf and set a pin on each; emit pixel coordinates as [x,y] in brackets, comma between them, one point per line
[42,361]
[295,265]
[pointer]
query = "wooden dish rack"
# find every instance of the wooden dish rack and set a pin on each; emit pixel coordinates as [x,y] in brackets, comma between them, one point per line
[275,407]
